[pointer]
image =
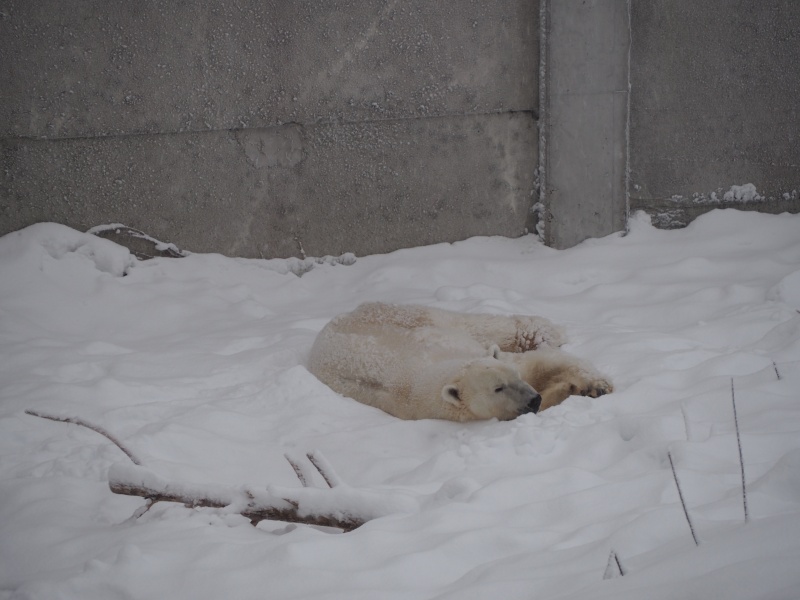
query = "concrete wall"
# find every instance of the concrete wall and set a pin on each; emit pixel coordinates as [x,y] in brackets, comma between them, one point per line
[715,103]
[252,127]
[675,107]
[585,68]
[276,127]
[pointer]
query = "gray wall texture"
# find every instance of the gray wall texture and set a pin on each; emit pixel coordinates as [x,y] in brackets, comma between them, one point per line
[282,127]
[667,106]
[715,103]
[256,127]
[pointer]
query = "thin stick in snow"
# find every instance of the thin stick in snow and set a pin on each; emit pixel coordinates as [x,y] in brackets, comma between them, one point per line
[739,444]
[777,373]
[299,470]
[685,422]
[619,564]
[325,469]
[322,466]
[680,495]
[88,425]
[140,511]
[614,567]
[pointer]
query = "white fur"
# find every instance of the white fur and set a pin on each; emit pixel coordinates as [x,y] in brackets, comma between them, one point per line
[416,362]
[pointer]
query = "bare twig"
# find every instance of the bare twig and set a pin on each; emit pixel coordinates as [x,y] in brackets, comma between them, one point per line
[96,428]
[614,567]
[741,458]
[300,470]
[140,511]
[685,422]
[320,463]
[619,564]
[325,469]
[683,503]
[777,373]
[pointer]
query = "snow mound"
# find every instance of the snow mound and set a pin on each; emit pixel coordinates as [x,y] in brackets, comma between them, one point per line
[33,244]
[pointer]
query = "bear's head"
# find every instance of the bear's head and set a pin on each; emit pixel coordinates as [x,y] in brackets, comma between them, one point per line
[487,388]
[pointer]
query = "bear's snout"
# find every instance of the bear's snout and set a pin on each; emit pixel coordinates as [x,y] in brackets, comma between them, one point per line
[533,404]
[529,398]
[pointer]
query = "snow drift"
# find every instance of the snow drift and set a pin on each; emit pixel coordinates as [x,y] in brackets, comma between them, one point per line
[198,364]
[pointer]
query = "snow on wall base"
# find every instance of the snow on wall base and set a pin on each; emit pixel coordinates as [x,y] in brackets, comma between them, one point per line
[678,211]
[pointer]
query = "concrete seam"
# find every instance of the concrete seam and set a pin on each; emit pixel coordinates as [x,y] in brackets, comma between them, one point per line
[543,114]
[588,94]
[234,130]
[628,125]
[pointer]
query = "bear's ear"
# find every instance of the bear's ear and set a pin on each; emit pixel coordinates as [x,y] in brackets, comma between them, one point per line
[494,351]
[450,395]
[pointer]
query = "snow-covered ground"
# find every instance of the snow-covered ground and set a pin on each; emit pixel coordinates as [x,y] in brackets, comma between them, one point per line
[197,365]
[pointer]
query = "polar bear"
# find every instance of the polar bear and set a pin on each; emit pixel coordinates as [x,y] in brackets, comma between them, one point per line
[417,362]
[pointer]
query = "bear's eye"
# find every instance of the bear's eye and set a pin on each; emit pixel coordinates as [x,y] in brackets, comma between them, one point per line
[499,389]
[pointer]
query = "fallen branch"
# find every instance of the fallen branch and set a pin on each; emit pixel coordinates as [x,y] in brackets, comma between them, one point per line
[337,506]
[96,428]
[342,507]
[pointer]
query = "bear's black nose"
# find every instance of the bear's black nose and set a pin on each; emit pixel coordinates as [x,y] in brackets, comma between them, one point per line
[534,404]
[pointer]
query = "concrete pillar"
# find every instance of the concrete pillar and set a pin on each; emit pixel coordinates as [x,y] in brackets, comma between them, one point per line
[583,148]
